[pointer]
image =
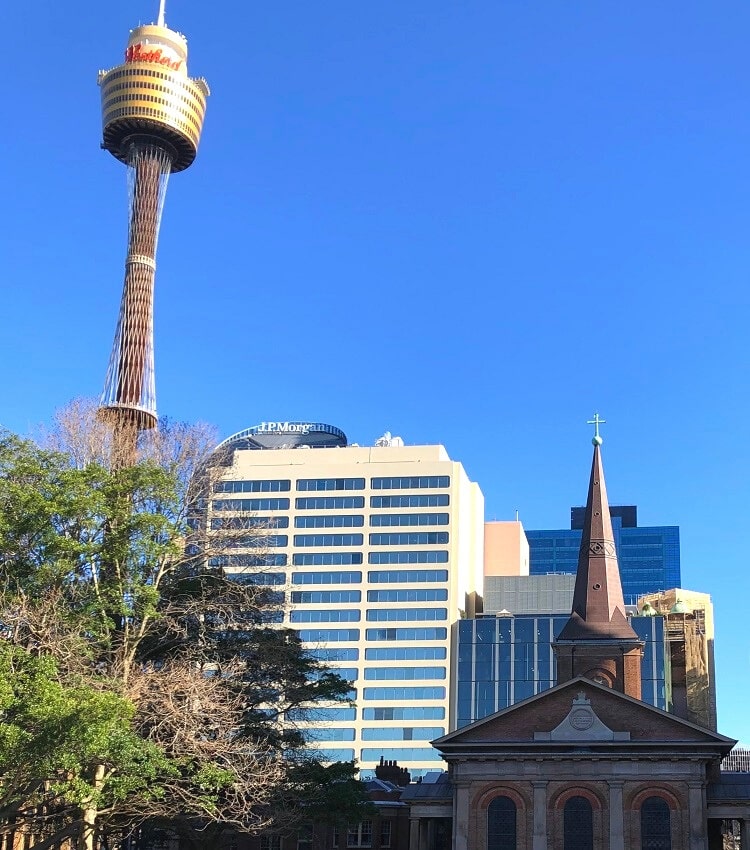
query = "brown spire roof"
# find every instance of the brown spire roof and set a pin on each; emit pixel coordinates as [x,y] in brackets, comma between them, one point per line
[598,605]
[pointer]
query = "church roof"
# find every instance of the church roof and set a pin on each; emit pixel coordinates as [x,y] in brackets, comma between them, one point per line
[558,719]
[598,605]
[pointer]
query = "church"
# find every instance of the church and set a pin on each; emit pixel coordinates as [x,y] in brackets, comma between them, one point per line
[585,765]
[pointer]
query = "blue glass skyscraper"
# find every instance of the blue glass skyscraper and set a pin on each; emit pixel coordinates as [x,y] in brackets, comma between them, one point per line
[649,556]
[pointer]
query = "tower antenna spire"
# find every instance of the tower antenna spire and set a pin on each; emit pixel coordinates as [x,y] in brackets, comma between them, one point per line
[160,19]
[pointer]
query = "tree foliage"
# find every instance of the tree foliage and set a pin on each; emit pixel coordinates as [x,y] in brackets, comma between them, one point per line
[138,681]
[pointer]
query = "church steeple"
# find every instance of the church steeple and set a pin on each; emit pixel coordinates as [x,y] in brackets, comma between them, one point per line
[597,639]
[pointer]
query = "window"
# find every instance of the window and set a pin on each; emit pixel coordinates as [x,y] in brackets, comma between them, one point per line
[251,504]
[434,557]
[414,482]
[406,576]
[409,519]
[405,653]
[397,694]
[385,833]
[321,715]
[360,835]
[413,634]
[404,673]
[578,825]
[330,521]
[325,597]
[321,559]
[402,733]
[393,712]
[234,523]
[426,500]
[656,827]
[328,635]
[270,842]
[259,541]
[328,539]
[501,824]
[334,654]
[380,615]
[324,503]
[279,486]
[259,578]
[400,754]
[330,733]
[336,615]
[429,594]
[308,484]
[336,577]
[408,538]
[265,560]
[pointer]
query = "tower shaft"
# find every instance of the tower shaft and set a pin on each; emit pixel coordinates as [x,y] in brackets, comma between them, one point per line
[129,398]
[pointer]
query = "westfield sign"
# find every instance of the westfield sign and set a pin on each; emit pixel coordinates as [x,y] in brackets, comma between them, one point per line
[137,53]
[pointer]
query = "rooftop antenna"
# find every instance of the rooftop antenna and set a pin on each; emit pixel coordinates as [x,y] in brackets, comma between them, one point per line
[160,20]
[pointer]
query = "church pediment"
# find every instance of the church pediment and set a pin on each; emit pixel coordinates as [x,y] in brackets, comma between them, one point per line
[576,712]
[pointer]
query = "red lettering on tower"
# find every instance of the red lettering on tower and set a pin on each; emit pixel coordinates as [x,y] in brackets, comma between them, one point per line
[136,53]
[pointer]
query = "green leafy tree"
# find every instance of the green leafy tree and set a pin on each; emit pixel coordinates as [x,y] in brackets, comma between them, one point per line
[140,683]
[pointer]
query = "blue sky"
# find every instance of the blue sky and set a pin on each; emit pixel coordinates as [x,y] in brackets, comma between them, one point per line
[470,223]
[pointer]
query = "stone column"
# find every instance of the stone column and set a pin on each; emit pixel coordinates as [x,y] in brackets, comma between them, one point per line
[539,840]
[414,824]
[616,817]
[461,816]
[698,838]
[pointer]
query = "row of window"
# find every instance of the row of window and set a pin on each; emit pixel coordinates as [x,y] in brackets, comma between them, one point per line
[327,597]
[578,824]
[172,95]
[324,503]
[172,109]
[382,653]
[377,615]
[341,577]
[136,72]
[384,712]
[414,482]
[377,733]
[323,559]
[403,673]
[352,635]
[412,538]
[409,519]
[236,523]
[158,114]
[377,520]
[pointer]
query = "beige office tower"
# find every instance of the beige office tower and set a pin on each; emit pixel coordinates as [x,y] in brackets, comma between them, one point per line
[380,551]
[689,618]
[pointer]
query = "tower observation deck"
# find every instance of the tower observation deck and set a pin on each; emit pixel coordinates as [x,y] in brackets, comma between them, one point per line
[152,117]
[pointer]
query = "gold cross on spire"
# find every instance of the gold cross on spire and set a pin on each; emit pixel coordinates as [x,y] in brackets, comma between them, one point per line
[596,422]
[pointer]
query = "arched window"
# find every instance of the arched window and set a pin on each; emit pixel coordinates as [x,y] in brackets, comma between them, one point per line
[656,830]
[578,824]
[501,824]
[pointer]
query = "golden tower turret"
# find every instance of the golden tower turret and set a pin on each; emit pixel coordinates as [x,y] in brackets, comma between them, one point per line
[152,117]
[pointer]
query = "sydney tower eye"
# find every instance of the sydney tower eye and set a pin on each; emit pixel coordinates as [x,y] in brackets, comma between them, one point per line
[152,117]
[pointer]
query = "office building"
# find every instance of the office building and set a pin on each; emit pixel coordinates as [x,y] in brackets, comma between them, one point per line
[379,551]
[649,556]
[689,619]
[502,660]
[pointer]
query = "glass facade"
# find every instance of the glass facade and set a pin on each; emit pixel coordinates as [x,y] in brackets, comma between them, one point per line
[649,556]
[502,660]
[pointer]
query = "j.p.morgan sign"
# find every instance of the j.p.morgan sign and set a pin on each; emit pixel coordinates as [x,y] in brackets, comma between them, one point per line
[296,428]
